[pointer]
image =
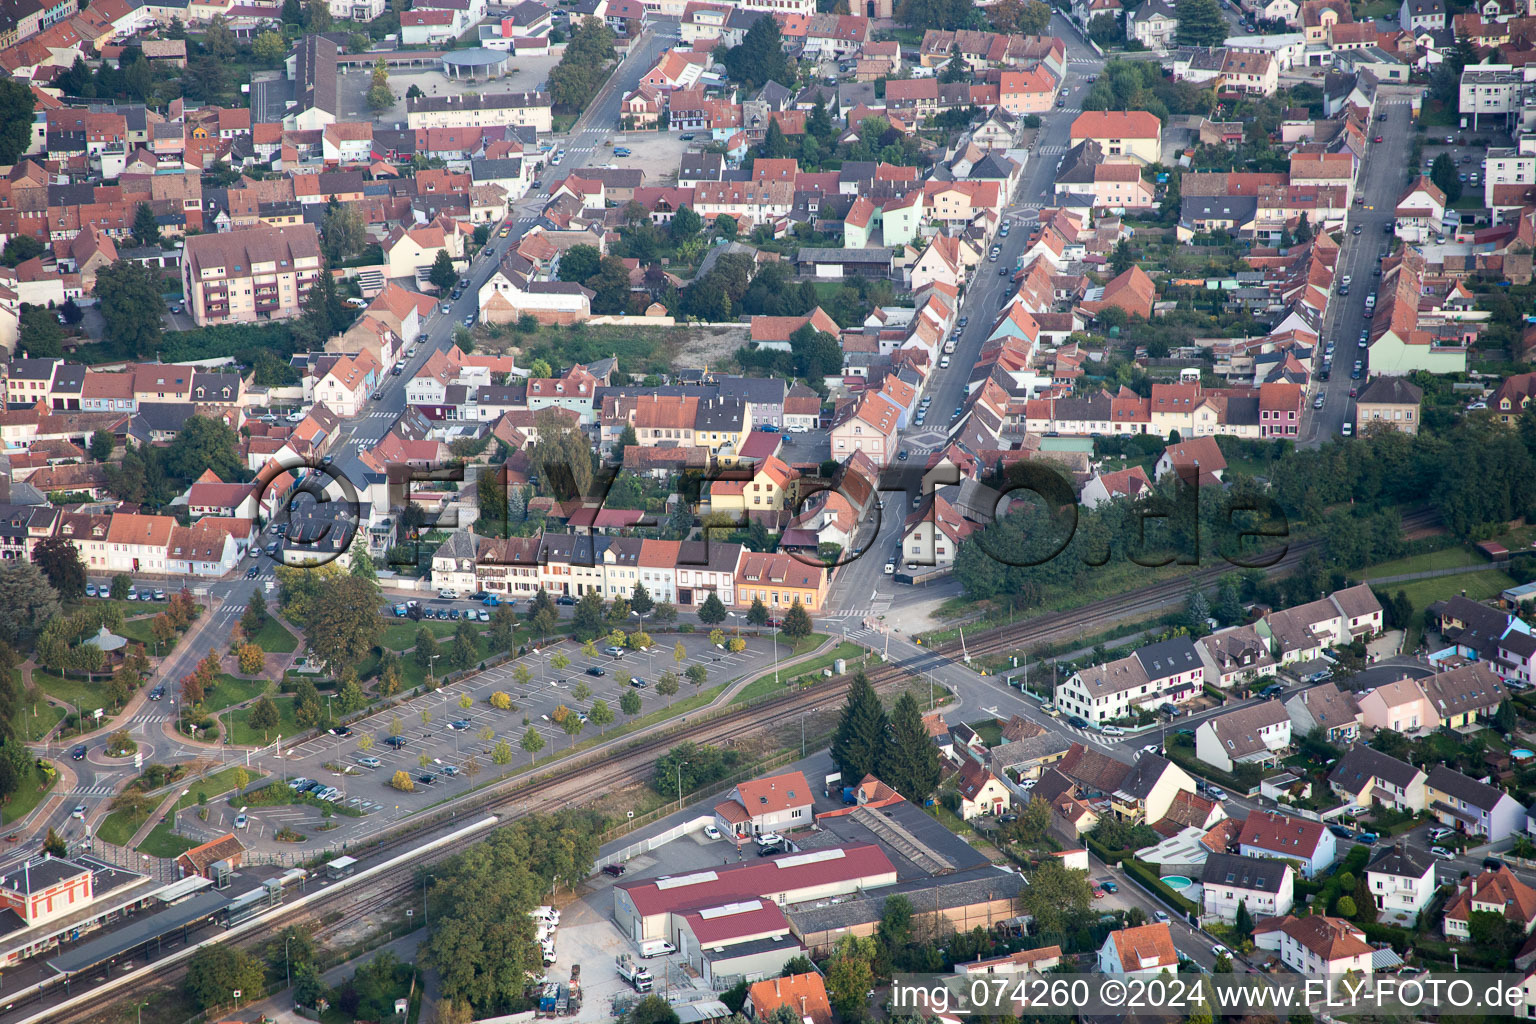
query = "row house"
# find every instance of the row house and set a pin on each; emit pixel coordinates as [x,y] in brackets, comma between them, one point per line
[1166,672]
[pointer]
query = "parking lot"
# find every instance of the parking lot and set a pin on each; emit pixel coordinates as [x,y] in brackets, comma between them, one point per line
[436,728]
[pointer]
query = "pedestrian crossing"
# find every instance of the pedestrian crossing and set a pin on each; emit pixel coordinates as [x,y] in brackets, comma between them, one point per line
[1051,150]
[1093,61]
[93,790]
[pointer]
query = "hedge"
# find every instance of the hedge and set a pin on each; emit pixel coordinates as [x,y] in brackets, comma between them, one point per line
[1103,852]
[1150,881]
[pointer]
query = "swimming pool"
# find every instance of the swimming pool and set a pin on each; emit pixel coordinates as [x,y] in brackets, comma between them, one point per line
[1522,753]
[1178,882]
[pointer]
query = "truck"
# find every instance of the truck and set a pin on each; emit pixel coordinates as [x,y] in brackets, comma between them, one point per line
[655,948]
[636,974]
[551,996]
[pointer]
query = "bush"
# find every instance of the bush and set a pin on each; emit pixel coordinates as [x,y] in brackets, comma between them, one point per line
[1150,881]
[403,782]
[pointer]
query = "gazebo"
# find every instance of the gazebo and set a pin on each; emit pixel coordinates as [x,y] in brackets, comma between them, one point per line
[108,642]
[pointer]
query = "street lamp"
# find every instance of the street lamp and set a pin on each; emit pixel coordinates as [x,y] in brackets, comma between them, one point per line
[287,964]
[738,625]
[680,766]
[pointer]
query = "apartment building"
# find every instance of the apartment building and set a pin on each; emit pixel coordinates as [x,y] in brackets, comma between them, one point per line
[251,275]
[468,110]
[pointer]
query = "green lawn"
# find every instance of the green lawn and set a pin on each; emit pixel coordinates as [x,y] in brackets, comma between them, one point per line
[26,798]
[1479,587]
[38,717]
[764,685]
[162,841]
[241,734]
[229,691]
[274,639]
[990,730]
[87,696]
[1449,558]
[401,635]
[138,629]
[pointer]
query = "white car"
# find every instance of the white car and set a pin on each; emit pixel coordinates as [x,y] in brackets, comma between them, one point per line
[78,812]
[1112,730]
[769,839]
[710,832]
[370,762]
[1151,748]
[1219,950]
[1442,853]
[241,821]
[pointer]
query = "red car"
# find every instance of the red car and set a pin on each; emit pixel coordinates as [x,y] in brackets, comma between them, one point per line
[1354,392]
[1378,138]
[1098,893]
[613,869]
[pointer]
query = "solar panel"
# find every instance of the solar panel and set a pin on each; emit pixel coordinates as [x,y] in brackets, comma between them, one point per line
[729,909]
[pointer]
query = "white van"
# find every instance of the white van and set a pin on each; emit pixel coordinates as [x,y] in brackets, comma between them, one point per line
[656,947]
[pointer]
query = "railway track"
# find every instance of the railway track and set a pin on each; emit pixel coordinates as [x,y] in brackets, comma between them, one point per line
[575,785]
[1088,618]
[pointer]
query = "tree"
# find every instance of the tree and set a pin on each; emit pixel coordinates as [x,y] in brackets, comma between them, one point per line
[685,224]
[651,1009]
[146,230]
[712,611]
[216,972]
[379,95]
[264,716]
[572,725]
[816,354]
[252,659]
[61,563]
[579,263]
[759,58]
[640,599]
[1035,18]
[121,584]
[41,336]
[757,615]
[858,743]
[1056,896]
[269,47]
[1443,173]
[956,69]
[20,249]
[443,275]
[581,71]
[102,445]
[909,763]
[1198,611]
[627,439]
[850,975]
[342,232]
[31,602]
[797,623]
[54,844]
[203,443]
[667,686]
[629,703]
[16,102]
[128,295]
[345,623]
[1243,926]
[1201,23]
[462,653]
[532,742]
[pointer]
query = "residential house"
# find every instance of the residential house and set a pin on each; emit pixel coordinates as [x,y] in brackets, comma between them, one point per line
[1229,881]
[1257,734]
[1303,840]
[247,276]
[1153,24]
[1401,706]
[1168,671]
[1144,951]
[1122,134]
[1400,880]
[1473,807]
[1389,403]
[1327,709]
[1316,945]
[1494,891]
[779,580]
[805,994]
[777,803]
[1235,655]
[981,792]
[1367,777]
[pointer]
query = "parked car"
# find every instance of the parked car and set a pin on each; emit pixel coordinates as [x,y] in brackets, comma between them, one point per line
[1442,853]
[370,762]
[616,869]
[596,670]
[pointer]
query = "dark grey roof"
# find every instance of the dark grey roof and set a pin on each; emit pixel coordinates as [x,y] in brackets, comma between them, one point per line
[1476,794]
[945,892]
[32,369]
[137,931]
[1362,764]
[1235,208]
[698,166]
[1391,391]
[69,379]
[1077,166]
[488,170]
[755,390]
[1167,657]
[991,168]
[1257,874]
[720,414]
[1144,776]
[162,415]
[35,876]
[1399,860]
